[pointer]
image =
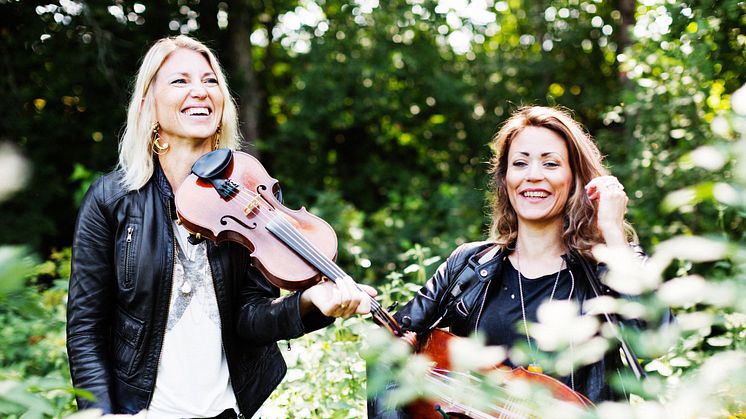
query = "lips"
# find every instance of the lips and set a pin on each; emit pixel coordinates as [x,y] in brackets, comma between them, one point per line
[534,193]
[197,111]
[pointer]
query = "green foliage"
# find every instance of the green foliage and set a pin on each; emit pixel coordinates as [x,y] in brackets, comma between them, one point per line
[326,376]
[34,376]
[681,68]
[378,118]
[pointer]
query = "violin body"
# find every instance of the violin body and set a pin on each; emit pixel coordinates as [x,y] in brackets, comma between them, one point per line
[436,347]
[230,196]
[244,218]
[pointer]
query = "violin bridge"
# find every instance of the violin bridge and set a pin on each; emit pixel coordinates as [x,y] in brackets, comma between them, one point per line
[252,205]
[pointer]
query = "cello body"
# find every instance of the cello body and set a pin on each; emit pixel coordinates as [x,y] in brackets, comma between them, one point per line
[436,347]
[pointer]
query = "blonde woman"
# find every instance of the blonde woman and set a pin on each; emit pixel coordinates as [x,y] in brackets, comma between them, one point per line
[159,322]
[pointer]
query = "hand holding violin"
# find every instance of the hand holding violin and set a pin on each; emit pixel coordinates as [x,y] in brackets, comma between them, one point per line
[341,298]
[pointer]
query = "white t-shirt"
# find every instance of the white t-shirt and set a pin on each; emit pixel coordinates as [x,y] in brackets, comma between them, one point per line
[193,378]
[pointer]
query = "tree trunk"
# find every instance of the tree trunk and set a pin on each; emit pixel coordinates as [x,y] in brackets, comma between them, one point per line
[249,95]
[627,10]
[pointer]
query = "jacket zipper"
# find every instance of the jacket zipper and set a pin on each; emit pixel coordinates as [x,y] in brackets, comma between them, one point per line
[127,249]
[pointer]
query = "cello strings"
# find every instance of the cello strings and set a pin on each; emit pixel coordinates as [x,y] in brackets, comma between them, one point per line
[506,401]
[471,410]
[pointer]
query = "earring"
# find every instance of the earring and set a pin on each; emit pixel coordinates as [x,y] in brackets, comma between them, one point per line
[216,139]
[156,138]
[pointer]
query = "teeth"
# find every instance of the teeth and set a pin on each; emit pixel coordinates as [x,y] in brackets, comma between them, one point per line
[197,111]
[535,194]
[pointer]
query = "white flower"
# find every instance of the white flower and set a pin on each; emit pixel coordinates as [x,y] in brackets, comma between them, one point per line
[683,292]
[694,321]
[738,101]
[471,354]
[560,324]
[708,157]
[692,248]
[627,272]
[720,126]
[14,170]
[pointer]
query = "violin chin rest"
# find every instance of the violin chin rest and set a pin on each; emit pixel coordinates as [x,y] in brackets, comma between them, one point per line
[212,164]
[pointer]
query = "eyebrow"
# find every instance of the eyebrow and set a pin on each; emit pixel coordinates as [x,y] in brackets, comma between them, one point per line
[183,74]
[526,153]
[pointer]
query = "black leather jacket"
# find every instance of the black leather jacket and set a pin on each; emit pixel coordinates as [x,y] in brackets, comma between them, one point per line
[455,295]
[120,284]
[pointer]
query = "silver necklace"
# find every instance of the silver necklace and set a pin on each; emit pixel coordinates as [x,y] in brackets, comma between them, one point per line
[533,366]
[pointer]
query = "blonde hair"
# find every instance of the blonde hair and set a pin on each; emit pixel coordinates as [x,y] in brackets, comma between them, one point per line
[135,153]
[579,231]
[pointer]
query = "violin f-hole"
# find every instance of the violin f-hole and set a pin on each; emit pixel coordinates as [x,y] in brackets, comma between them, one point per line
[225,223]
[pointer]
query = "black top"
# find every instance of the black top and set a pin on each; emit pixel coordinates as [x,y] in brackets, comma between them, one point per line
[502,320]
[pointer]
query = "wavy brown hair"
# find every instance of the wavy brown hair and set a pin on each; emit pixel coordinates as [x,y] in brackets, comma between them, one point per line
[579,229]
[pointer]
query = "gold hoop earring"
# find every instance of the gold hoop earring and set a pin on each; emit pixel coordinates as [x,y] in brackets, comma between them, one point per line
[156,138]
[216,139]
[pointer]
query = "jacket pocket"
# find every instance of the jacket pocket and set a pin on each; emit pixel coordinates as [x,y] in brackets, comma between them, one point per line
[127,339]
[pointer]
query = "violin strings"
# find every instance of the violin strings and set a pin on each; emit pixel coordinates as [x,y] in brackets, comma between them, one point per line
[302,243]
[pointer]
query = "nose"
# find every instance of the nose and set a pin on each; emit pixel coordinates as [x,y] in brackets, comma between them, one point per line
[534,172]
[198,90]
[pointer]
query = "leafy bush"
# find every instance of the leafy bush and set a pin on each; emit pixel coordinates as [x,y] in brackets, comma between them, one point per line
[34,376]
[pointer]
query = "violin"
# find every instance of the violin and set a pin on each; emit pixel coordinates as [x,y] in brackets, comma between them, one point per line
[447,405]
[230,196]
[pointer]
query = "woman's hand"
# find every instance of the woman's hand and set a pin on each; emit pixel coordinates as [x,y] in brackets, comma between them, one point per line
[611,205]
[339,298]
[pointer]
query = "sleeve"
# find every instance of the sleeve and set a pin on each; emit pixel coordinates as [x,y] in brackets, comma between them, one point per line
[428,307]
[90,302]
[265,317]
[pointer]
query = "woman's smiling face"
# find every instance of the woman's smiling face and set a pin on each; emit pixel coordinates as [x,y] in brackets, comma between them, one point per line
[539,177]
[188,99]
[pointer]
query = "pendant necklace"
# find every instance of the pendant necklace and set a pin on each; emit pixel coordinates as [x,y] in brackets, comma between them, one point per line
[534,367]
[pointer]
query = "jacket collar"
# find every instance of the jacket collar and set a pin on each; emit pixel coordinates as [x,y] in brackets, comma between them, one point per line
[160,179]
[488,260]
[164,187]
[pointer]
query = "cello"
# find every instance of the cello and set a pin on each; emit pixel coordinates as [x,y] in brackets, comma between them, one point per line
[447,404]
[230,196]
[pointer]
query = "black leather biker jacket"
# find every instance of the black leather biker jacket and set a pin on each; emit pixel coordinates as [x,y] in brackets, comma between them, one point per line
[120,285]
[455,295]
